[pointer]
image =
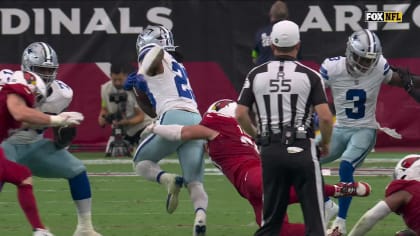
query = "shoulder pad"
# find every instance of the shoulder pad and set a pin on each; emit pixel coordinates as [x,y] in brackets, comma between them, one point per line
[330,67]
[59,98]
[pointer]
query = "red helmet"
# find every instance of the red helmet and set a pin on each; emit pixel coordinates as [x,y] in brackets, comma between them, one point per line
[406,162]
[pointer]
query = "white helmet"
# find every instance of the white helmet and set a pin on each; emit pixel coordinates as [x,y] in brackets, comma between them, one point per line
[158,35]
[401,169]
[363,52]
[5,75]
[40,57]
[225,107]
[35,84]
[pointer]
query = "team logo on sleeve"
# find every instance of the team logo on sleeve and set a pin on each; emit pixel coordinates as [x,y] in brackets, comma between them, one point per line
[30,78]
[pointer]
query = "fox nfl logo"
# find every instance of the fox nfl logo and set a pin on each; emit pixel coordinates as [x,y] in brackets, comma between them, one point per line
[383,16]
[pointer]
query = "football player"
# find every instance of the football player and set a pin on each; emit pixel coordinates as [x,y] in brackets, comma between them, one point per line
[402,196]
[235,153]
[355,81]
[17,97]
[165,81]
[46,158]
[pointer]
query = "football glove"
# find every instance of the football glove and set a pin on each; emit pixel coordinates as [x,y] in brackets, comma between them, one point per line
[131,81]
[63,136]
[137,81]
[67,119]
[406,78]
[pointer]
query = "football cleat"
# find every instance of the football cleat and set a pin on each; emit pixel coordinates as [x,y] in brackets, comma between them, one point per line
[358,189]
[331,210]
[42,232]
[85,232]
[337,228]
[199,228]
[174,187]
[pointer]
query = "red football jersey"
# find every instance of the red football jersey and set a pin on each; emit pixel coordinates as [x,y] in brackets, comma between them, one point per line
[232,141]
[7,122]
[411,211]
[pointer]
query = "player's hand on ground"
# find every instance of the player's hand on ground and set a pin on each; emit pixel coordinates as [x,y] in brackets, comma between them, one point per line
[71,118]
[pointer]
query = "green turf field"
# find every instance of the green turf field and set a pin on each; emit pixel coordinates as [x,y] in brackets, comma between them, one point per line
[130,206]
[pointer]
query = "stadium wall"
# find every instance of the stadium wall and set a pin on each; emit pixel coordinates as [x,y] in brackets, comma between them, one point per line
[216,38]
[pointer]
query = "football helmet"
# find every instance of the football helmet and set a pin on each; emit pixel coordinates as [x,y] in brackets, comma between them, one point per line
[40,57]
[400,171]
[33,81]
[156,34]
[363,52]
[225,107]
[5,75]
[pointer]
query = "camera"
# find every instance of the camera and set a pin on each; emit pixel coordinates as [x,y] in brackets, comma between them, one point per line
[118,97]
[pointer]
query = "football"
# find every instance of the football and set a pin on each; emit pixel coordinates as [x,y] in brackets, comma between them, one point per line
[144,102]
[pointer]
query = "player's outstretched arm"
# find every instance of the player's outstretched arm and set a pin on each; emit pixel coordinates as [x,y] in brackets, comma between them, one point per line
[370,218]
[404,78]
[150,60]
[179,132]
[22,113]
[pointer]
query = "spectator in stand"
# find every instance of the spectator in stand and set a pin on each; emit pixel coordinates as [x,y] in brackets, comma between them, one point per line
[262,51]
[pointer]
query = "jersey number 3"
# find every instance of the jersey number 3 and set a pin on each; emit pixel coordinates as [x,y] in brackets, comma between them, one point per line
[358,96]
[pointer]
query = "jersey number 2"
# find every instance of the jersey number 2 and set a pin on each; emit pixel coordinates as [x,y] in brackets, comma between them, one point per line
[358,96]
[181,81]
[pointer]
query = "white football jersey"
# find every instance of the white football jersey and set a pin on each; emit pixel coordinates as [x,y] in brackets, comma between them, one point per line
[57,101]
[171,89]
[354,98]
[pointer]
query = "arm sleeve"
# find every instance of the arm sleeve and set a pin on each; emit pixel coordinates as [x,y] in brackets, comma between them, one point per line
[370,218]
[170,132]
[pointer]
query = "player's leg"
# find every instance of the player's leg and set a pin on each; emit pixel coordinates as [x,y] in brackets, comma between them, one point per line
[248,183]
[21,177]
[45,160]
[150,151]
[360,144]
[192,165]
[338,145]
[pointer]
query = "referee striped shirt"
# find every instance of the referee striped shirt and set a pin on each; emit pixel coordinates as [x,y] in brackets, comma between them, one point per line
[285,93]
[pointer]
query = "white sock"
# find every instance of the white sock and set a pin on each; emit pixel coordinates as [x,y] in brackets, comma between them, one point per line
[84,221]
[165,178]
[84,218]
[198,196]
[148,169]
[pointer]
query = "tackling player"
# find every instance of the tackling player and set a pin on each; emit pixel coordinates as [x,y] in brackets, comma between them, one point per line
[17,98]
[355,81]
[402,196]
[48,158]
[164,79]
[236,155]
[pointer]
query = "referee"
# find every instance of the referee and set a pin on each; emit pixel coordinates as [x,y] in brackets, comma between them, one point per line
[286,93]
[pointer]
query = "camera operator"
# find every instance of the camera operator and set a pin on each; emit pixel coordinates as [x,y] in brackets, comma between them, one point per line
[119,107]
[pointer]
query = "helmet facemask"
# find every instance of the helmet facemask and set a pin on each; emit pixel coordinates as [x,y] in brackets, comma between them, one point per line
[158,35]
[362,53]
[40,58]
